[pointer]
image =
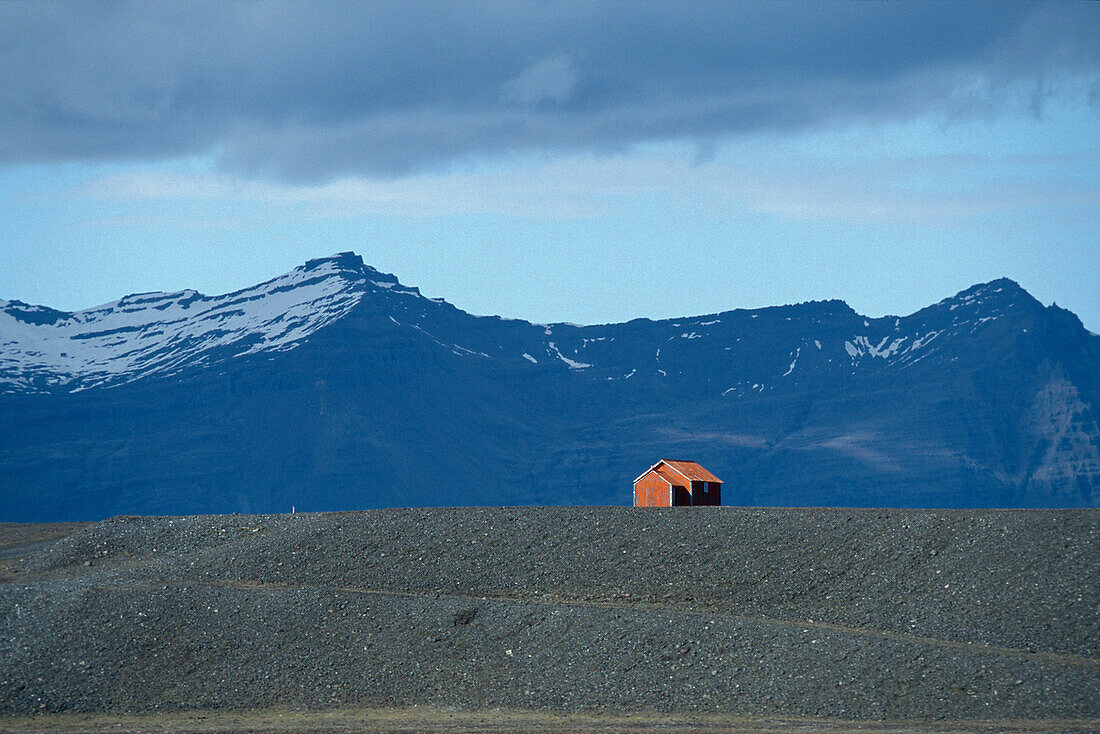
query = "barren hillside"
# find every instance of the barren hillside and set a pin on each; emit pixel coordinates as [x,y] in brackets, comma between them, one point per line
[863,615]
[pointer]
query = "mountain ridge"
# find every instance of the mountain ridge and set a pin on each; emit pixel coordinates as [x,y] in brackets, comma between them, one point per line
[358,275]
[319,388]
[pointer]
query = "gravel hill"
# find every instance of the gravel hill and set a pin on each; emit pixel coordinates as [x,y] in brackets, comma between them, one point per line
[856,614]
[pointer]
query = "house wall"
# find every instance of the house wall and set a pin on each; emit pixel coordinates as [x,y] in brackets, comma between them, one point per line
[706,493]
[651,491]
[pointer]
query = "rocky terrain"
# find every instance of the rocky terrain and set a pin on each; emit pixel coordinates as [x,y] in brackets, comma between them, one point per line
[878,618]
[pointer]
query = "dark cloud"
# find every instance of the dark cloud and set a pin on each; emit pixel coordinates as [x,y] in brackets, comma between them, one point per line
[307,91]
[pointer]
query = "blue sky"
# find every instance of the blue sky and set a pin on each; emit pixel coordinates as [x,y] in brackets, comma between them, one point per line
[555,161]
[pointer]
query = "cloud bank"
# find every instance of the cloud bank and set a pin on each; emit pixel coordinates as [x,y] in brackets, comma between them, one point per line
[311,92]
[894,191]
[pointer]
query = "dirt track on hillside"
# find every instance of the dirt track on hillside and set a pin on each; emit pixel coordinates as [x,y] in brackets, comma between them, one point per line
[426,720]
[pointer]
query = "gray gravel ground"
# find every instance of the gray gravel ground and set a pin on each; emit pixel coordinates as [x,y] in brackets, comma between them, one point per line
[855,614]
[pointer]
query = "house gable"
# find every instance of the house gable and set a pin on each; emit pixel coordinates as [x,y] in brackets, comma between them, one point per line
[652,489]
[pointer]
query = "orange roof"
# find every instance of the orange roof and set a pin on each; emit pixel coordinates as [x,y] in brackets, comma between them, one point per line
[686,469]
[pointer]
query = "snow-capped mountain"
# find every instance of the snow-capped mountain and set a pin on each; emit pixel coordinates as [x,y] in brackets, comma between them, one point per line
[322,387]
[164,333]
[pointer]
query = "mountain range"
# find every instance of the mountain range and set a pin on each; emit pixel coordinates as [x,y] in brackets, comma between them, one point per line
[337,387]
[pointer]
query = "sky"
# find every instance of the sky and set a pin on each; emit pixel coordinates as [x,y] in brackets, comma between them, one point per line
[588,162]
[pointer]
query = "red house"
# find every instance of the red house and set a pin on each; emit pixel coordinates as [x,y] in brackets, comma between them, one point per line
[672,483]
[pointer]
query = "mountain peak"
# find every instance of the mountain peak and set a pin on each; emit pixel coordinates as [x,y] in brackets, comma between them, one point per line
[346,261]
[994,295]
[30,314]
[1001,288]
[350,265]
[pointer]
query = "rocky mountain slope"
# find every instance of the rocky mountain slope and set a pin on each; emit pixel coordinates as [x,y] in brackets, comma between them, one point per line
[968,620]
[336,387]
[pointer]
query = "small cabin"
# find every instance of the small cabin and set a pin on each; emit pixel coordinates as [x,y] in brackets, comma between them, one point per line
[677,483]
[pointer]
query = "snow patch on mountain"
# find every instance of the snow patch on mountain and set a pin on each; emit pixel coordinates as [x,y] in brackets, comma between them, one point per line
[794,361]
[571,363]
[861,345]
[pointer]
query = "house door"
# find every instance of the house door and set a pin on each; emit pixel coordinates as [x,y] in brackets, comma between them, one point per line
[681,497]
